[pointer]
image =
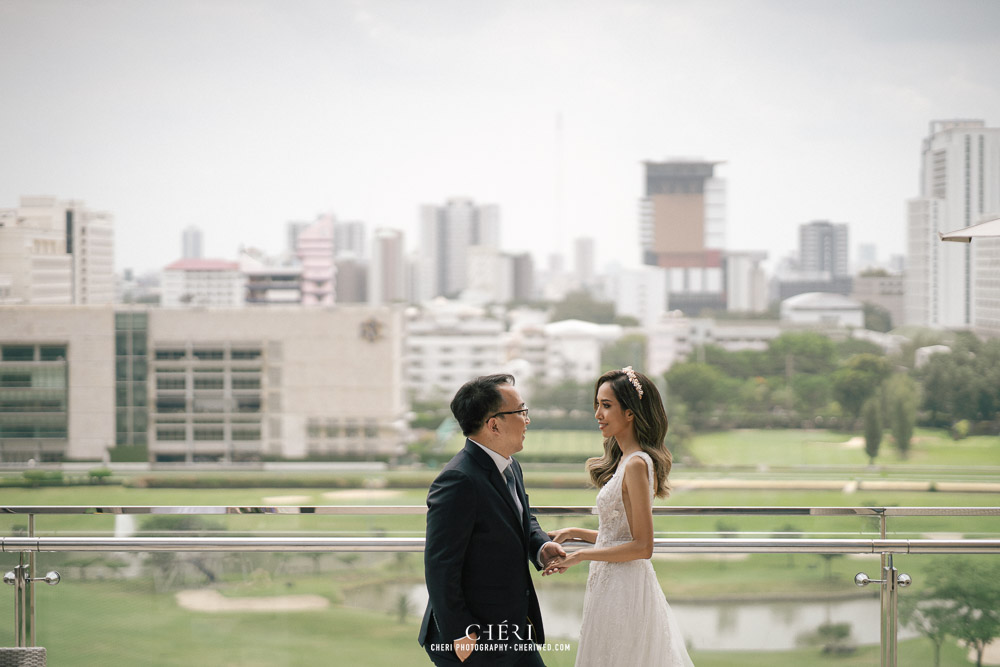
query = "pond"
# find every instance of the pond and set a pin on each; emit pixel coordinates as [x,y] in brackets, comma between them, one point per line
[720,626]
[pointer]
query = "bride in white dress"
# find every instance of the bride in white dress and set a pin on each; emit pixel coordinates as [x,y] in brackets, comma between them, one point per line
[626,618]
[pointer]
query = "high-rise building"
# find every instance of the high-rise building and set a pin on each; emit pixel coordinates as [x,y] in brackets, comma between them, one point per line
[491,276]
[682,228]
[639,292]
[583,261]
[191,243]
[523,276]
[446,234]
[292,231]
[56,252]
[947,283]
[352,279]
[387,272]
[349,239]
[746,283]
[314,248]
[823,249]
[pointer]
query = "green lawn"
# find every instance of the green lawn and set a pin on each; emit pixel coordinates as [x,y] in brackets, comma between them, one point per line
[794,447]
[817,447]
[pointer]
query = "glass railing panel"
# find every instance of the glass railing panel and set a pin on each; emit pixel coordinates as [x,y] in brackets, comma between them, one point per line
[299,609]
[735,609]
[974,520]
[230,609]
[944,614]
[112,607]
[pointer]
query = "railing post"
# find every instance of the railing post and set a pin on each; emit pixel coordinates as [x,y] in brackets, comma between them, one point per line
[889,620]
[30,585]
[20,582]
[887,636]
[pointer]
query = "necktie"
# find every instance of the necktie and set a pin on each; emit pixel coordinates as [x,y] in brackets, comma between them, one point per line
[512,487]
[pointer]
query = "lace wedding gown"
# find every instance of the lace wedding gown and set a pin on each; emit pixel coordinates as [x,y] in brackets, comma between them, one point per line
[626,618]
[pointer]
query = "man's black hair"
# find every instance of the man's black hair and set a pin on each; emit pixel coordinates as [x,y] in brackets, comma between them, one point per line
[477,399]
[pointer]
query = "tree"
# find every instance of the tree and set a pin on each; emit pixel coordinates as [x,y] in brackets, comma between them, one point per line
[805,352]
[567,395]
[857,381]
[582,306]
[877,318]
[629,350]
[679,431]
[931,618]
[969,589]
[848,347]
[812,392]
[873,428]
[973,588]
[742,364]
[828,561]
[902,399]
[963,383]
[626,321]
[936,377]
[403,607]
[699,386]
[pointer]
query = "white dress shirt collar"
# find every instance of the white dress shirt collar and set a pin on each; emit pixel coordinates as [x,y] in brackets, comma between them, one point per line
[501,461]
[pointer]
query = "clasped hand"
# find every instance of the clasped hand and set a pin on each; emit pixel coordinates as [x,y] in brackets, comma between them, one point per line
[560,565]
[561,562]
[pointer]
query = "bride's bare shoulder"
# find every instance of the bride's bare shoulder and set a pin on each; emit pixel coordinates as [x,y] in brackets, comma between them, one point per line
[636,465]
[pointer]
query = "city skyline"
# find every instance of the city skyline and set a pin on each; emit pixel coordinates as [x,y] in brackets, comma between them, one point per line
[240,117]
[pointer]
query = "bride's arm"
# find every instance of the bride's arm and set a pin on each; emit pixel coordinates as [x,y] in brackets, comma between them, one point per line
[636,481]
[573,535]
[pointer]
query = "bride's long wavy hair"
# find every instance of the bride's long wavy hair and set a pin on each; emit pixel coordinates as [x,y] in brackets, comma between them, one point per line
[649,423]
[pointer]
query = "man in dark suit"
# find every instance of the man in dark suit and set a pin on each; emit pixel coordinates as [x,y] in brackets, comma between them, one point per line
[480,536]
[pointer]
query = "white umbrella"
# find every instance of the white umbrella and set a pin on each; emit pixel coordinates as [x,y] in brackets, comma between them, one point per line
[988,228]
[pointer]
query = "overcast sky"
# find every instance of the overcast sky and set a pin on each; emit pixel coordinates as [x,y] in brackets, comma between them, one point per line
[239,115]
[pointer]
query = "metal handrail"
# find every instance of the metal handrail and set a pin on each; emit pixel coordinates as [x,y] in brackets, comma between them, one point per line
[375,544]
[543,510]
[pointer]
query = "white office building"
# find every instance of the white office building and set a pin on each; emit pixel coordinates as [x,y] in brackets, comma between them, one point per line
[573,350]
[676,338]
[448,344]
[746,282]
[491,276]
[56,252]
[823,309]
[200,384]
[269,281]
[203,283]
[947,284]
[639,292]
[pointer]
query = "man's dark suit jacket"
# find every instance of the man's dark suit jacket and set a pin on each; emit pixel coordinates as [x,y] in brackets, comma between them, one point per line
[477,552]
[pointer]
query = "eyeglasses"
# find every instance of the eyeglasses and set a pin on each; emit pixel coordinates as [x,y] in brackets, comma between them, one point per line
[522,411]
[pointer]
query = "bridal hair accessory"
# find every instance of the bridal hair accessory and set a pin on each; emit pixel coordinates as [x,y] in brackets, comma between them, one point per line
[633,379]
